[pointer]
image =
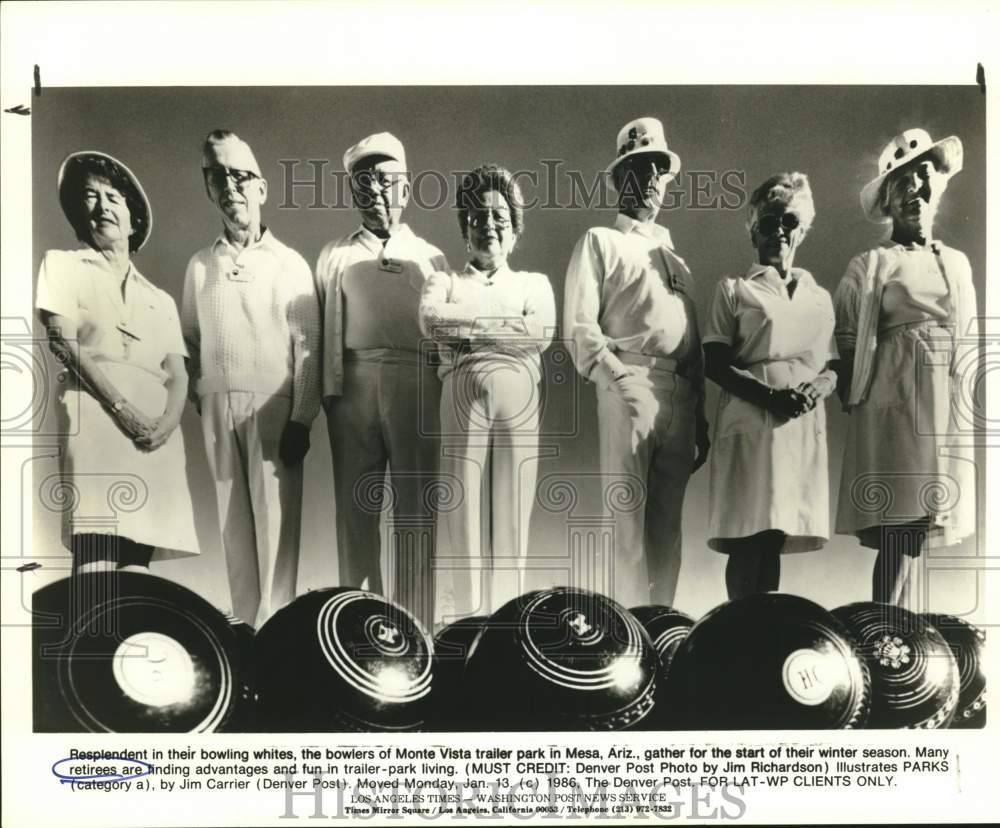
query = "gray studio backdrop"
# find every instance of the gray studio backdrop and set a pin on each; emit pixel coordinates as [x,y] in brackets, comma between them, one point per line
[558,134]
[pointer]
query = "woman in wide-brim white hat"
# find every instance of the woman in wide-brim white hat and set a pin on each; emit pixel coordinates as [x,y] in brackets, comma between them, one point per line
[906,331]
[123,488]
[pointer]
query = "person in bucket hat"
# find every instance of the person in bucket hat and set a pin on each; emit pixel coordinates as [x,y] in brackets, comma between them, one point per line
[906,332]
[123,384]
[251,321]
[630,312]
[381,391]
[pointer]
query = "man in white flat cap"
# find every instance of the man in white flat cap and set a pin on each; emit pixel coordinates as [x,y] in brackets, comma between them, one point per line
[630,312]
[252,324]
[380,391]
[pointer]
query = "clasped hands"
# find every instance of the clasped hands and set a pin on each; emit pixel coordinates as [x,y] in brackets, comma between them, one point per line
[789,403]
[148,433]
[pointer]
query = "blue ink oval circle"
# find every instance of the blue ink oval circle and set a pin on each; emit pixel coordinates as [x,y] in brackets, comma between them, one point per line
[144,769]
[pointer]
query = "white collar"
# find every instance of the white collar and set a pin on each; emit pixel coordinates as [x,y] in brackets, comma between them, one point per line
[266,240]
[650,229]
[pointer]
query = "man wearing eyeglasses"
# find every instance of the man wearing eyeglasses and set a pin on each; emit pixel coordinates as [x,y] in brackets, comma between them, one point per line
[252,324]
[380,389]
[629,309]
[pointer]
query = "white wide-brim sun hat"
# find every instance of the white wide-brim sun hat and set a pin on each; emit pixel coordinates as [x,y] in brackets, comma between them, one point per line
[64,197]
[901,150]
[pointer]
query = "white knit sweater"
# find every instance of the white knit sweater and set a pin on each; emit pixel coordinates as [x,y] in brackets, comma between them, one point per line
[251,322]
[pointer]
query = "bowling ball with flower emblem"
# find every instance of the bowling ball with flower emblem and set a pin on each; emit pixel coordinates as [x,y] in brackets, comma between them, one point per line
[915,678]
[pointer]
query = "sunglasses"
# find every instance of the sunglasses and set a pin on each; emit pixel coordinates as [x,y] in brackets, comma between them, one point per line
[217,177]
[770,223]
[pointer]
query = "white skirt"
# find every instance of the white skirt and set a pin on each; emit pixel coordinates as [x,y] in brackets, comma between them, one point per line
[108,485]
[768,474]
[905,459]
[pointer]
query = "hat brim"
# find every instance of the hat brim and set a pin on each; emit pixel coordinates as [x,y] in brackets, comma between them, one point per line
[131,176]
[374,154]
[947,151]
[672,157]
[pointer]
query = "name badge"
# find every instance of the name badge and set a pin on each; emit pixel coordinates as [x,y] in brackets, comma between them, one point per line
[237,273]
[390,266]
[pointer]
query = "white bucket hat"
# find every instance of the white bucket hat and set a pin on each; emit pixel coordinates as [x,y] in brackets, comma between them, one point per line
[644,135]
[902,149]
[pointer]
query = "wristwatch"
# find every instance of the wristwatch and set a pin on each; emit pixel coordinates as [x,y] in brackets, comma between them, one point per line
[117,406]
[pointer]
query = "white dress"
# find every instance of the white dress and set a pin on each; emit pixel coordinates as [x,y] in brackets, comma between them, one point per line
[107,484]
[908,454]
[766,473]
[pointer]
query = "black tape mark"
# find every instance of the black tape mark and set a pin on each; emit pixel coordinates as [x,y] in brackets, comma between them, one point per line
[38,82]
[20,109]
[981,77]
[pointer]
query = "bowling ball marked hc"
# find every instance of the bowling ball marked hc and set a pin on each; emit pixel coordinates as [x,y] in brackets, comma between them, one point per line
[805,676]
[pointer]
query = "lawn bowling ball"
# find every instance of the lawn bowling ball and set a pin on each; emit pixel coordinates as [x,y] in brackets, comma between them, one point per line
[915,682]
[561,659]
[667,628]
[126,652]
[767,662]
[343,660]
[244,718]
[452,645]
[967,643]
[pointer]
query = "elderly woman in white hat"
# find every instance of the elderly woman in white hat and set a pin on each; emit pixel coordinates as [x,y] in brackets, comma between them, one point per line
[768,344]
[492,323]
[904,310]
[119,338]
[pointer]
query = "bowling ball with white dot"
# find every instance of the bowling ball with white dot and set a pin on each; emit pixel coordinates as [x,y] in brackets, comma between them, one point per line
[127,652]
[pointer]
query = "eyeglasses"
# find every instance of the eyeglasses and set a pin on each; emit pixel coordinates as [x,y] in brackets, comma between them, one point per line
[479,218]
[376,179]
[217,177]
[770,223]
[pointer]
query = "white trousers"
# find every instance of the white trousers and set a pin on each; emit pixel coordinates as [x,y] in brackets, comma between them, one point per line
[259,497]
[647,437]
[490,411]
[387,417]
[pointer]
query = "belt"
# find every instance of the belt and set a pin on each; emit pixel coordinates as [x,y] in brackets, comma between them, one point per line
[946,329]
[668,365]
[393,356]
